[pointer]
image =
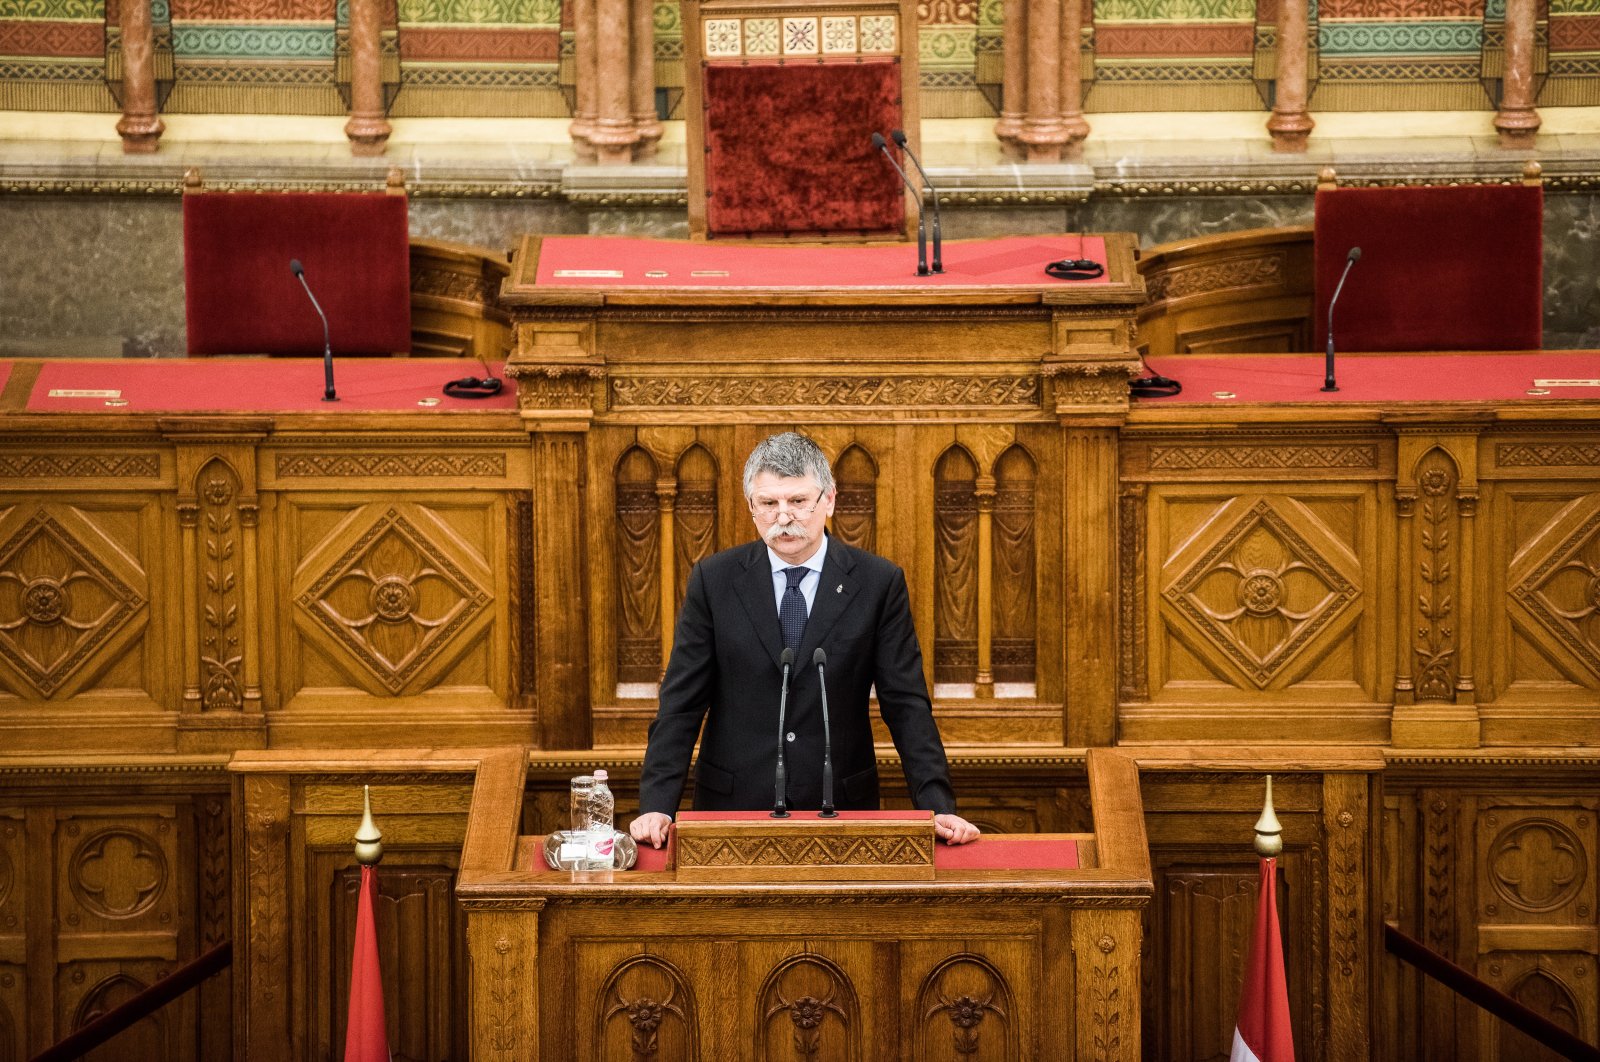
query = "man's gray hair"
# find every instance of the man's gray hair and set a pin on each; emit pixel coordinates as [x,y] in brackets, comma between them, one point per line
[788,454]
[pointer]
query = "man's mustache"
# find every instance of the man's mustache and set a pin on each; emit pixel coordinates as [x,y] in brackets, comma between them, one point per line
[785,531]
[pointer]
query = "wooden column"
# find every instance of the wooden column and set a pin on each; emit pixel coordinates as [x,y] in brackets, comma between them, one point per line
[614,134]
[1071,90]
[261,983]
[666,498]
[644,79]
[585,78]
[984,683]
[1014,75]
[1091,584]
[367,128]
[561,641]
[1042,132]
[1290,123]
[140,126]
[1517,121]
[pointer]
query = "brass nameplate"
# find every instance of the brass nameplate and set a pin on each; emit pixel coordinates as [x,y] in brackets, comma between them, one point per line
[805,849]
[708,272]
[590,274]
[83,392]
[1566,383]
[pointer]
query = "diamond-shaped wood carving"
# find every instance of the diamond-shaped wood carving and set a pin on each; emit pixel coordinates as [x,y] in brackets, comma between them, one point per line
[60,600]
[1259,591]
[395,598]
[1560,588]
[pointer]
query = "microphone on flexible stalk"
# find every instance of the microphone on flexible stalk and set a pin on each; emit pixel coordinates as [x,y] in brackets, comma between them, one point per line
[899,137]
[1328,382]
[780,800]
[820,659]
[328,394]
[922,220]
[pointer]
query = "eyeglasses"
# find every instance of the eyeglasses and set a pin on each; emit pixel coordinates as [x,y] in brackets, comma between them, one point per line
[798,508]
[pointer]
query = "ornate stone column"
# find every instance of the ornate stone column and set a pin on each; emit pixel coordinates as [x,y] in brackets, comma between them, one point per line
[140,126]
[1042,132]
[368,128]
[585,80]
[1290,123]
[614,134]
[1071,90]
[1014,75]
[644,79]
[1517,121]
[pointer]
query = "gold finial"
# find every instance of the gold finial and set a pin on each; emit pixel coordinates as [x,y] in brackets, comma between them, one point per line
[369,839]
[1269,831]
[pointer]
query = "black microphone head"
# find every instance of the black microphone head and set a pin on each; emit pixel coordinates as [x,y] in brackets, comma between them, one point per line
[878,141]
[819,657]
[296,268]
[1354,255]
[787,659]
[898,136]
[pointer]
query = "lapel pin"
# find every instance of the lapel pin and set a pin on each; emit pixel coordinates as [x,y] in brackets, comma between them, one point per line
[839,589]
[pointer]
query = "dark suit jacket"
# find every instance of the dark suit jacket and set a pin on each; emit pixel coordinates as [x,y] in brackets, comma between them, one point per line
[725,659]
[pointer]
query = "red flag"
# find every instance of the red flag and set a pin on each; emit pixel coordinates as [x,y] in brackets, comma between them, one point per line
[1263,1033]
[365,1038]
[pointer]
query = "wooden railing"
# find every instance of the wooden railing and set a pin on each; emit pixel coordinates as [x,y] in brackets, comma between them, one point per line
[140,1006]
[1463,983]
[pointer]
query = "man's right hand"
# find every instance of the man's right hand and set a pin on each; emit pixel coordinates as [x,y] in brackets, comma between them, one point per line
[652,827]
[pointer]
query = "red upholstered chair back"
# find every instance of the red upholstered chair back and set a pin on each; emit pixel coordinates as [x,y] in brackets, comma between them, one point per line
[781,101]
[1440,268]
[241,298]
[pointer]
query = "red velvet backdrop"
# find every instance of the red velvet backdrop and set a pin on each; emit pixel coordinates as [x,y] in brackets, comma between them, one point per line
[241,297]
[1440,268]
[789,148]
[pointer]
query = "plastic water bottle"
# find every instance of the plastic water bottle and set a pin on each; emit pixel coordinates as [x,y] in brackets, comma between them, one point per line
[602,829]
[575,840]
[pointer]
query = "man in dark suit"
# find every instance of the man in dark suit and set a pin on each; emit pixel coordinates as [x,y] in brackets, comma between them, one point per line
[796,588]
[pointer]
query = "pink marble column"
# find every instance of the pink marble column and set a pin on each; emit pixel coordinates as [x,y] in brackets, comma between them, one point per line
[1042,132]
[1072,120]
[585,79]
[1290,123]
[613,134]
[368,128]
[1014,75]
[644,79]
[1517,121]
[140,126]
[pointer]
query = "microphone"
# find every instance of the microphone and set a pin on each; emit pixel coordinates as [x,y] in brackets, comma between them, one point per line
[922,222]
[820,659]
[899,137]
[780,801]
[1328,382]
[328,394]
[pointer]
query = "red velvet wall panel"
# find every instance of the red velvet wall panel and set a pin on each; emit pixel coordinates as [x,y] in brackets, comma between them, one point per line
[789,148]
[242,299]
[1440,268]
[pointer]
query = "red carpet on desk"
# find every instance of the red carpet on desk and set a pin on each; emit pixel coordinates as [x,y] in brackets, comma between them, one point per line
[265,385]
[1016,261]
[1374,378]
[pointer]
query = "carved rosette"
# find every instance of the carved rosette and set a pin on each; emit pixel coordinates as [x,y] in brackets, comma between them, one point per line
[1437,527]
[1266,585]
[649,1001]
[61,599]
[808,1012]
[965,1003]
[395,598]
[221,588]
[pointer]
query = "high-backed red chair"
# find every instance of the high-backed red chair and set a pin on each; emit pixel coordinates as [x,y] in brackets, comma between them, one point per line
[241,298]
[1441,268]
[780,104]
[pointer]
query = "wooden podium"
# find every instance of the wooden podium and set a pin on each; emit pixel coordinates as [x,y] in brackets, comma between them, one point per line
[1005,951]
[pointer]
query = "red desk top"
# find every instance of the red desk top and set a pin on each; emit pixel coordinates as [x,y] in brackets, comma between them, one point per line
[622,263]
[257,385]
[1256,379]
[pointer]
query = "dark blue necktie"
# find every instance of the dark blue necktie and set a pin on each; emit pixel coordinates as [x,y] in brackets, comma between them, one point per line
[792,611]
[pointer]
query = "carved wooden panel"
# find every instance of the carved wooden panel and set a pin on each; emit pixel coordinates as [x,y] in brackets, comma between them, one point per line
[74,597]
[87,990]
[694,534]
[14,863]
[856,507]
[393,597]
[807,1007]
[1015,567]
[638,570]
[220,559]
[1432,611]
[646,1009]
[965,1009]
[955,573]
[1553,580]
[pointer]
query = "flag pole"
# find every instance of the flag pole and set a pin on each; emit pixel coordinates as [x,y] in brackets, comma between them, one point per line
[366,1032]
[1269,831]
[369,839]
[1263,1032]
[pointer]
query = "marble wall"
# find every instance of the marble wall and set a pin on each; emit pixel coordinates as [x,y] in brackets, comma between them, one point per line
[88,276]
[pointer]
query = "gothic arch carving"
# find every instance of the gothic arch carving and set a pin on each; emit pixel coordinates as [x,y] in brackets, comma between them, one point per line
[806,1010]
[964,1010]
[955,567]
[855,514]
[1543,992]
[1015,566]
[146,1038]
[694,515]
[647,1003]
[638,562]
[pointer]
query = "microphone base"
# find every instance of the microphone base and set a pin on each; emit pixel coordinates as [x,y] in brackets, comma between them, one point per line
[778,813]
[330,398]
[827,813]
[1330,386]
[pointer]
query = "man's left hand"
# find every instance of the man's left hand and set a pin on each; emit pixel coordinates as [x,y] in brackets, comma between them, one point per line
[953,829]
